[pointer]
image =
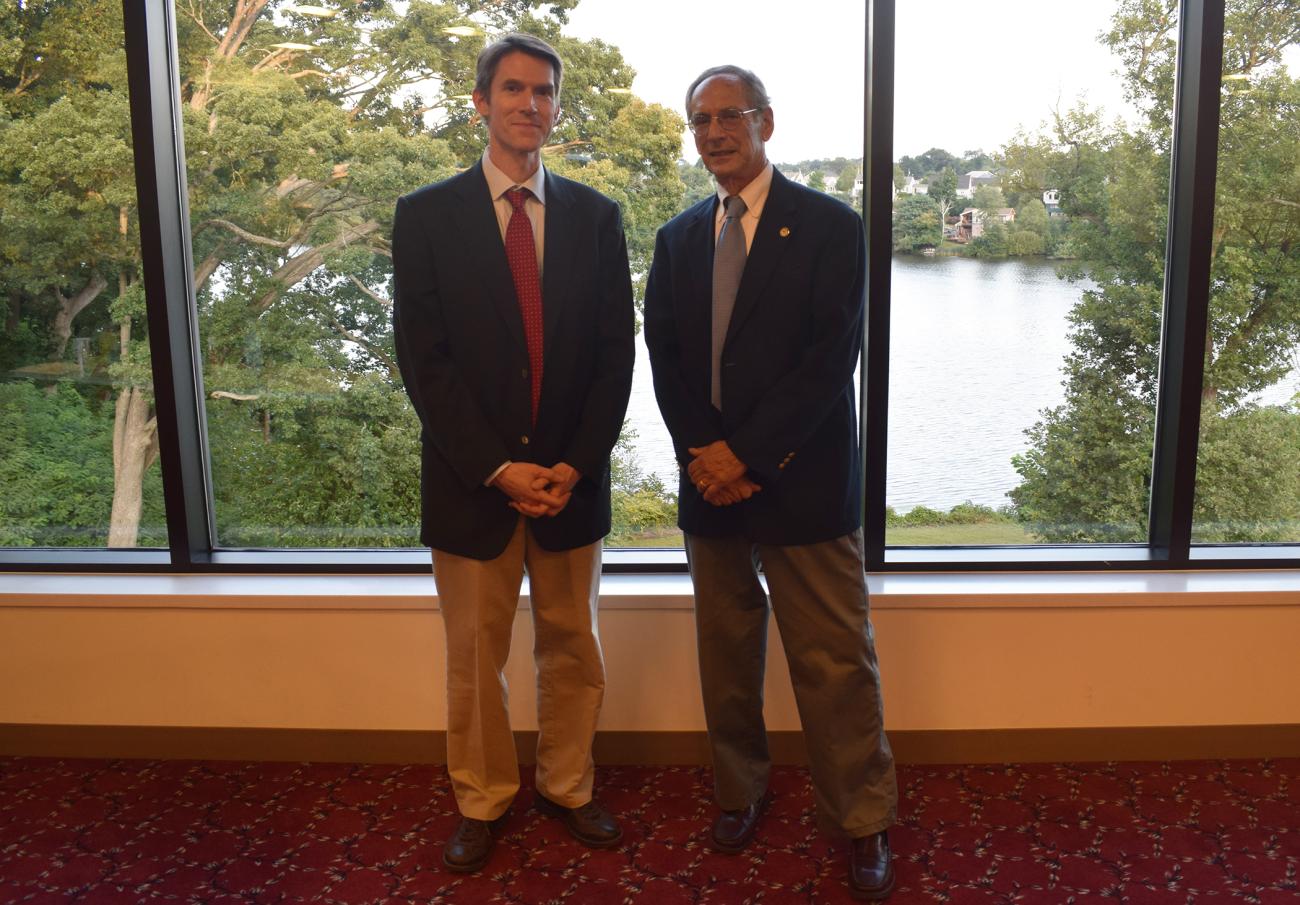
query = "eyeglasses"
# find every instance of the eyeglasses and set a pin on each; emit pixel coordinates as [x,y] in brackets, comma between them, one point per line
[729,119]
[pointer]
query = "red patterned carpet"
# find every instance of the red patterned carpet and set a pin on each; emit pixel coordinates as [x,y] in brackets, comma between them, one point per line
[208,832]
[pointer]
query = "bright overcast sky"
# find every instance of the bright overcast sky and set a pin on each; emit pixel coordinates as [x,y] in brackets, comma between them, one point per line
[967,74]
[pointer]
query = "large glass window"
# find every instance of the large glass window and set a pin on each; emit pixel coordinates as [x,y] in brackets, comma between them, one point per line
[304,124]
[1248,467]
[1029,231]
[1031,193]
[78,436]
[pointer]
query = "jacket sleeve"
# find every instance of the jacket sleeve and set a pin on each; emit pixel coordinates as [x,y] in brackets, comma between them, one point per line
[795,407]
[611,385]
[690,419]
[452,419]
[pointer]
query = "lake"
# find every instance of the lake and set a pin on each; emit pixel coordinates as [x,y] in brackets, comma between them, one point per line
[976,349]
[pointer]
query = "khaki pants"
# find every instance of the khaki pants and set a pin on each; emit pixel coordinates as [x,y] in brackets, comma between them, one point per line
[478,601]
[819,596]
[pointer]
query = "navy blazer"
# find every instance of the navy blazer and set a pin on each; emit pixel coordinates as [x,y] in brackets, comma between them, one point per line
[788,409]
[464,360]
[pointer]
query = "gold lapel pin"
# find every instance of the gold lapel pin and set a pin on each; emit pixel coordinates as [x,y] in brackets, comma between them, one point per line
[785,231]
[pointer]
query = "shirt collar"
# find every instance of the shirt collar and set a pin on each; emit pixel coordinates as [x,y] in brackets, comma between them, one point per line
[499,183]
[755,194]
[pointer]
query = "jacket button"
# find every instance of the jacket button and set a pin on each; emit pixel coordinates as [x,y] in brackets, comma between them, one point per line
[524,439]
[524,373]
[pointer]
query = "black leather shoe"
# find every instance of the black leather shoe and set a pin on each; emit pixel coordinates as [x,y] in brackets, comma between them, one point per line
[469,847]
[871,869]
[591,824]
[732,830]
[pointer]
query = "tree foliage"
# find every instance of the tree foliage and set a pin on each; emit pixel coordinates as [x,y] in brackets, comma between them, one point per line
[916,223]
[1086,474]
[300,133]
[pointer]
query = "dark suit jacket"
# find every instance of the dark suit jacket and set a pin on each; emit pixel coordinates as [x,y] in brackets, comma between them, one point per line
[461,349]
[788,407]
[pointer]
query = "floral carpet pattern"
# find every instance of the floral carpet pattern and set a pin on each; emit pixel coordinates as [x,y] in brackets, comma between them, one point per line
[1194,832]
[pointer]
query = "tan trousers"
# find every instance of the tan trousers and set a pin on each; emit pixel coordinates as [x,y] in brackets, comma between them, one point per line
[478,601]
[819,596]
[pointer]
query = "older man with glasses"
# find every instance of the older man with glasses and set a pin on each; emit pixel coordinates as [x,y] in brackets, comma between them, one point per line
[753,319]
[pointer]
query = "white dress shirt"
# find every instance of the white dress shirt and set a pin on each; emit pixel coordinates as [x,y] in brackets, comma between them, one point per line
[755,196]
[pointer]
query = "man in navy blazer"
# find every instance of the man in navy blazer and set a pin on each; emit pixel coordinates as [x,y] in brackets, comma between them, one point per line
[514,330]
[753,320]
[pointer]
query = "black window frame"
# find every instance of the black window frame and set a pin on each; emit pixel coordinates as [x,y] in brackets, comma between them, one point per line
[154,85]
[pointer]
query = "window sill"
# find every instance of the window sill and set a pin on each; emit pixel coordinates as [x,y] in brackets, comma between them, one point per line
[387,592]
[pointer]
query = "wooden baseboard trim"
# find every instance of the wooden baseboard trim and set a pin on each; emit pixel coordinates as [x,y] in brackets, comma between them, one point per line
[965,746]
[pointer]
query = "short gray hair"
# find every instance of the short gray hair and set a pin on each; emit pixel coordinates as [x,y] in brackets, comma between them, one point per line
[490,58]
[753,85]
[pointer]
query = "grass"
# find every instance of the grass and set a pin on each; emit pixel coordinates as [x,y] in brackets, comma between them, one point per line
[979,533]
[656,537]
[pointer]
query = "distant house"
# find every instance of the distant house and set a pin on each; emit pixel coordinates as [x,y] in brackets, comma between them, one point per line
[913,187]
[970,225]
[1052,201]
[967,182]
[828,179]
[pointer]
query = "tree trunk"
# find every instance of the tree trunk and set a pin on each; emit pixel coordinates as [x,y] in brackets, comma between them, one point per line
[69,308]
[135,446]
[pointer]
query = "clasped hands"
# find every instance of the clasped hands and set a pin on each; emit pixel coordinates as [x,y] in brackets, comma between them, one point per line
[535,490]
[719,475]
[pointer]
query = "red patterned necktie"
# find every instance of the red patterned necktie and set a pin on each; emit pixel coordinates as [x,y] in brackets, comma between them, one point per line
[522,255]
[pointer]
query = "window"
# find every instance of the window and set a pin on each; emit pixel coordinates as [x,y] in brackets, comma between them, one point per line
[78,433]
[1030,199]
[1248,467]
[1024,377]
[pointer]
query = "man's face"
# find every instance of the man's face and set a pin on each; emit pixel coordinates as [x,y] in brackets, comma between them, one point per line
[521,106]
[733,157]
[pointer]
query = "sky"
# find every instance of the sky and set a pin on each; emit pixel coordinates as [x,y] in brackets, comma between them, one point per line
[967,74]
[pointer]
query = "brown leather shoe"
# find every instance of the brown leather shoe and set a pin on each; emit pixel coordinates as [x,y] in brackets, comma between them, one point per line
[469,847]
[871,869]
[732,830]
[591,824]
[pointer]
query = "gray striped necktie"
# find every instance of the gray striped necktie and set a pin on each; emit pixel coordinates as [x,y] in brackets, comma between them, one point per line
[728,266]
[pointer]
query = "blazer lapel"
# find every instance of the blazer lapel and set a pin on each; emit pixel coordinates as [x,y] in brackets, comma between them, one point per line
[485,249]
[765,252]
[557,256]
[699,263]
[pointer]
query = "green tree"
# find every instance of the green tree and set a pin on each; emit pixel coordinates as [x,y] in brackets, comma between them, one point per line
[1031,233]
[943,189]
[817,181]
[916,223]
[301,131]
[1086,474]
[845,180]
[932,161]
